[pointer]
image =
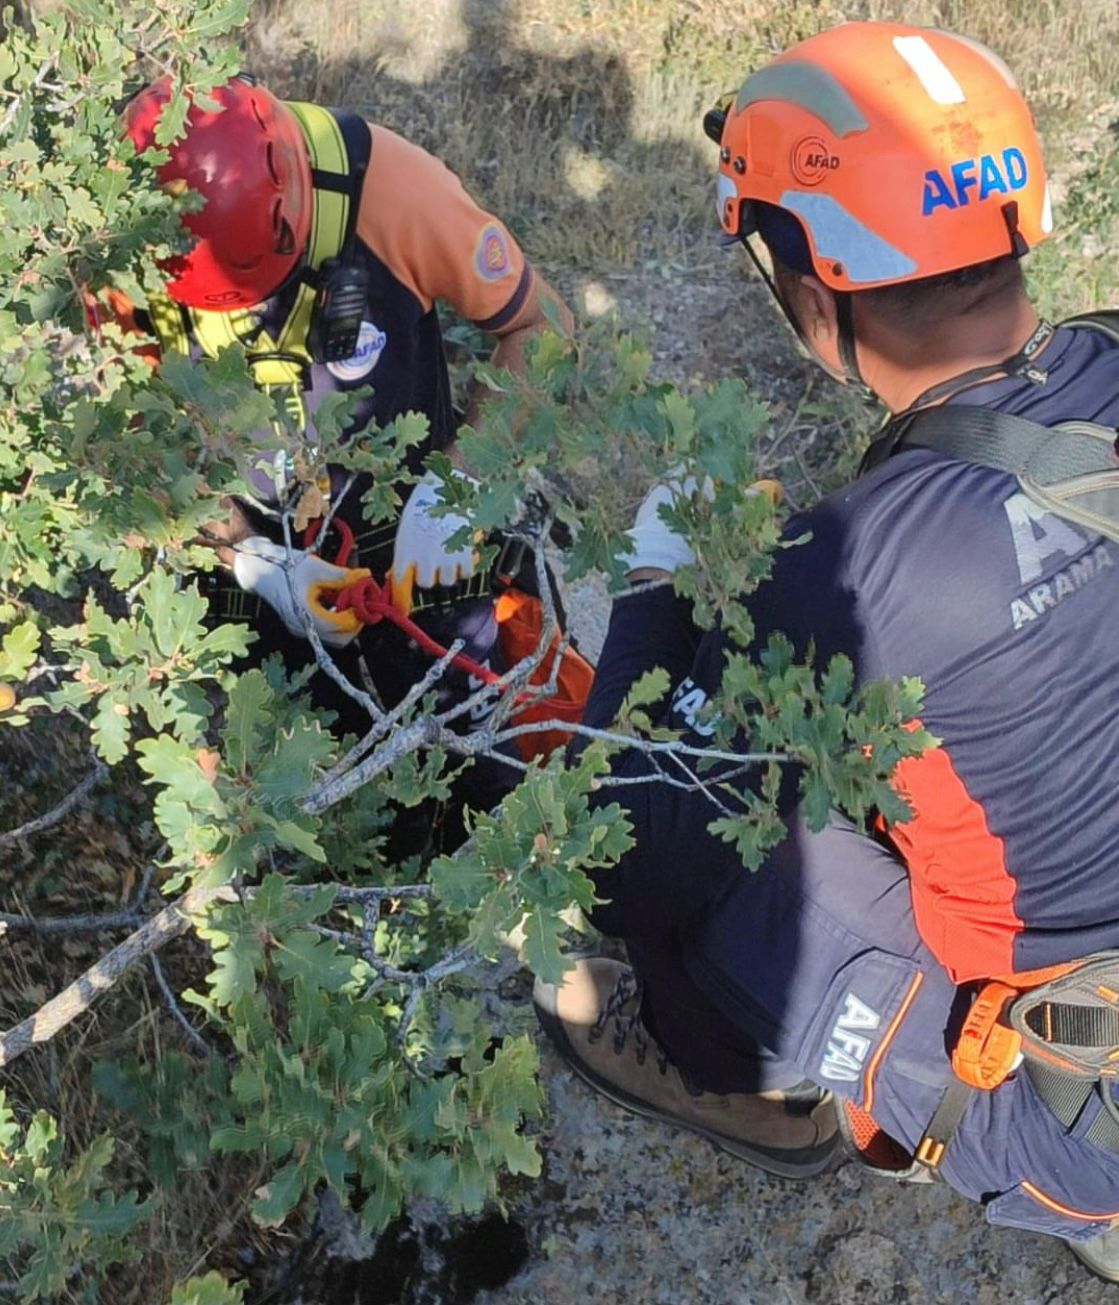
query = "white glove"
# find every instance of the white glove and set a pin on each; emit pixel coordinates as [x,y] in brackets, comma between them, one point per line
[260,568]
[420,556]
[655,544]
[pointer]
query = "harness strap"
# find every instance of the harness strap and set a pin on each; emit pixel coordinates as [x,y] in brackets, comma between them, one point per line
[942,1127]
[1084,1026]
[1106,321]
[1021,363]
[1064,1032]
[989,438]
[1066,1097]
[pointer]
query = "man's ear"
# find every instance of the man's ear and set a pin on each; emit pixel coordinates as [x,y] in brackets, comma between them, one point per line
[816,312]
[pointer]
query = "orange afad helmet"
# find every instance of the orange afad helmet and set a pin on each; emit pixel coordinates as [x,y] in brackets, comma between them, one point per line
[903,152]
[251,164]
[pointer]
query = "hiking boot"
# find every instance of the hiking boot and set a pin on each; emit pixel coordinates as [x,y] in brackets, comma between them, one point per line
[1100,1254]
[593,1018]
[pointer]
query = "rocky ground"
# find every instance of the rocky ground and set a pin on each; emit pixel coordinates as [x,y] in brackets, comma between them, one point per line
[635,1213]
[628,1212]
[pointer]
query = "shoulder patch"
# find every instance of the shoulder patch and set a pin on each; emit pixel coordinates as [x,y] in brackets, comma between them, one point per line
[492,260]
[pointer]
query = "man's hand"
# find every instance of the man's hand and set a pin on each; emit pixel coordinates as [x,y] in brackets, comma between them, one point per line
[658,551]
[261,568]
[224,534]
[509,351]
[421,557]
[657,548]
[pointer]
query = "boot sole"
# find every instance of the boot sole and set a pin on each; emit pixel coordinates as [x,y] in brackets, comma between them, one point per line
[803,1164]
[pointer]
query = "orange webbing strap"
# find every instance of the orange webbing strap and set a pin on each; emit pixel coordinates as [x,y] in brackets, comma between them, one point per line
[985,1053]
[987,1049]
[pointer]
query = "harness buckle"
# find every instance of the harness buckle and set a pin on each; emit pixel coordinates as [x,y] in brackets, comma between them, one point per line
[510,559]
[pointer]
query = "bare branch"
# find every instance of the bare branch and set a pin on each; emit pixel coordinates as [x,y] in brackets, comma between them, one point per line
[511,688]
[72,923]
[416,734]
[483,740]
[336,502]
[17,100]
[452,963]
[323,659]
[696,782]
[799,458]
[74,798]
[176,1010]
[378,893]
[172,921]
[127,919]
[389,719]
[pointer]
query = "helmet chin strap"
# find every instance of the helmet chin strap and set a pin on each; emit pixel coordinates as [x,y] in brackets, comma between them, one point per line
[848,352]
[845,321]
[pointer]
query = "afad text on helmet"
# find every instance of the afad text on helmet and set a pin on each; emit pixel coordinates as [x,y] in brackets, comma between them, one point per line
[811,160]
[986,175]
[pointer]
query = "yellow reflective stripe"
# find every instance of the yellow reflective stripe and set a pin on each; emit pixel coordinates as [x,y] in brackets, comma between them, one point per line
[294,404]
[167,322]
[328,154]
[214,331]
[272,373]
[293,337]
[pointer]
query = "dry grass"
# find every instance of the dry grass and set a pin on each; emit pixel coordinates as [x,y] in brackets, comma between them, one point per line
[579,120]
[94,864]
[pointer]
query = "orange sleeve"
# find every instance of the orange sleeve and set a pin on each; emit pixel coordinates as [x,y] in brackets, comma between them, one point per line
[418,219]
[115,306]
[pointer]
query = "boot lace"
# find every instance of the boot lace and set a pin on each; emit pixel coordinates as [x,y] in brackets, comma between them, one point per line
[628,989]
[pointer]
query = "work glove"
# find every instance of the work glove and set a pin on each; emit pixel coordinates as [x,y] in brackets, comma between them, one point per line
[655,543]
[421,557]
[259,566]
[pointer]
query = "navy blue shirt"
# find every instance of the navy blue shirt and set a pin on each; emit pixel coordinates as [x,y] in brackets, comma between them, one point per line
[1009,615]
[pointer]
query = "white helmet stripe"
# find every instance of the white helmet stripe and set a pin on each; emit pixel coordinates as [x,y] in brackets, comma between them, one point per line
[941,86]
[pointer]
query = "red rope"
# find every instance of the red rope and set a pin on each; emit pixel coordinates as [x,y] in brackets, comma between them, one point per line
[367,600]
[370,604]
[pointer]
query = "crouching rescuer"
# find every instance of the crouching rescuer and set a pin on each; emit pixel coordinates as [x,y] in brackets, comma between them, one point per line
[943,992]
[322,248]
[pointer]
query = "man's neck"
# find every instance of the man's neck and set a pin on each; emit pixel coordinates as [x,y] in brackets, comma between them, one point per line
[900,369]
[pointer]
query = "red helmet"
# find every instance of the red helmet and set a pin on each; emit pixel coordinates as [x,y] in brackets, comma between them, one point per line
[250,163]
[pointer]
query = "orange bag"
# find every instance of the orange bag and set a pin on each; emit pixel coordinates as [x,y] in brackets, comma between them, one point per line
[520,624]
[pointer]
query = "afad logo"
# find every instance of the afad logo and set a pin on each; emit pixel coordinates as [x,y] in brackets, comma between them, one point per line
[985,175]
[812,161]
[371,341]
